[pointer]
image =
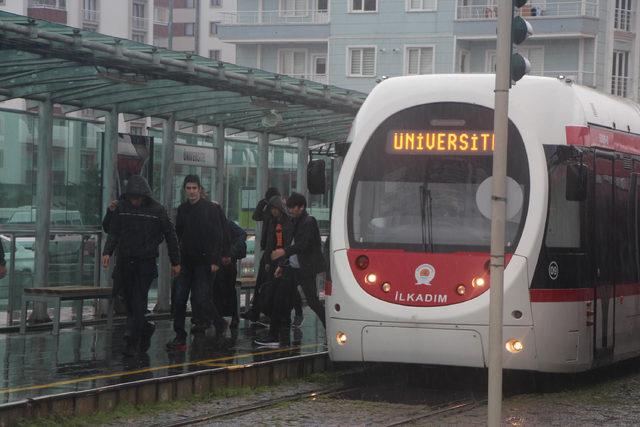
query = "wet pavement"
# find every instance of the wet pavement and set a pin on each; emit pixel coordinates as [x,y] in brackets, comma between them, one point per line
[39,363]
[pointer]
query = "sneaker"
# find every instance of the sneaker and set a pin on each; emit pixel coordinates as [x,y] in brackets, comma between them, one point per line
[178,344]
[147,333]
[268,342]
[298,321]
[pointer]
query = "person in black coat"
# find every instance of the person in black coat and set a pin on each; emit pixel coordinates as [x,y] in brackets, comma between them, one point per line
[200,230]
[139,226]
[261,214]
[225,296]
[299,262]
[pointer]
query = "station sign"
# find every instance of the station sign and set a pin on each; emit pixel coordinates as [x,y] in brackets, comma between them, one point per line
[194,155]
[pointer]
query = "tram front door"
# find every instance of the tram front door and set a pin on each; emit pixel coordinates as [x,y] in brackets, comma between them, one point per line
[602,248]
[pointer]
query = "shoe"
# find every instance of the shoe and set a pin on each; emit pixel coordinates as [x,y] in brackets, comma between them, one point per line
[298,321]
[199,329]
[178,344]
[259,324]
[147,333]
[249,315]
[268,342]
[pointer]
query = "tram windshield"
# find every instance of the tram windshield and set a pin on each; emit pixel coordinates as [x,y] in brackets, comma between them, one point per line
[423,182]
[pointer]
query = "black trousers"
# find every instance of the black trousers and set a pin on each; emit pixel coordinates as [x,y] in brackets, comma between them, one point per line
[195,281]
[265,274]
[285,295]
[135,277]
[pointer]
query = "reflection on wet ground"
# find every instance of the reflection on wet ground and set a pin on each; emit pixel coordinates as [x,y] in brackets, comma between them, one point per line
[40,363]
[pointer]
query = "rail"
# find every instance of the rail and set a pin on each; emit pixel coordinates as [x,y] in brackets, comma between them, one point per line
[48,4]
[73,253]
[139,23]
[543,9]
[273,17]
[90,15]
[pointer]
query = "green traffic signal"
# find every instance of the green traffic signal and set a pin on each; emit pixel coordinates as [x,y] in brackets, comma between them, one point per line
[519,66]
[520,30]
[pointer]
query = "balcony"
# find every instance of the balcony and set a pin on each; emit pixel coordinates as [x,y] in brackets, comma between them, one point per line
[487,10]
[90,15]
[620,85]
[139,24]
[48,4]
[623,20]
[275,17]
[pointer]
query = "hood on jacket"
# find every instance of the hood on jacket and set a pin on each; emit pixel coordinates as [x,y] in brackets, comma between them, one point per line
[137,186]
[276,202]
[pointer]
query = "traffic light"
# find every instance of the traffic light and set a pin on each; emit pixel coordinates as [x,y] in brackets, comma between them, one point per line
[520,31]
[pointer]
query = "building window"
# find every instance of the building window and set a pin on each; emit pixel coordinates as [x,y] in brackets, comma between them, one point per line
[188,29]
[189,4]
[419,60]
[292,62]
[214,54]
[362,62]
[622,15]
[463,61]
[294,7]
[364,5]
[213,28]
[138,10]
[215,3]
[90,11]
[48,4]
[421,5]
[138,37]
[620,73]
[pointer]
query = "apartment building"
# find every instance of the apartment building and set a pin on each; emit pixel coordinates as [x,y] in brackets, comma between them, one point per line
[354,43]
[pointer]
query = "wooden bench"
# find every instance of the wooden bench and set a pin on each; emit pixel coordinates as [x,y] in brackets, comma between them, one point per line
[55,295]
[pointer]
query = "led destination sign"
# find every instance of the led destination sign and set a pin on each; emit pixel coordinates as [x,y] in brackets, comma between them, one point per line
[440,142]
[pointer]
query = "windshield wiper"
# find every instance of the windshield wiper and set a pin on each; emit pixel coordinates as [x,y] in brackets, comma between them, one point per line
[426,214]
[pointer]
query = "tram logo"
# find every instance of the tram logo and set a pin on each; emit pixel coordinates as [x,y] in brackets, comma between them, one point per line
[425,274]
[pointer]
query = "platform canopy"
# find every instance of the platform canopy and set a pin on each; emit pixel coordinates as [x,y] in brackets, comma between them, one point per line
[88,70]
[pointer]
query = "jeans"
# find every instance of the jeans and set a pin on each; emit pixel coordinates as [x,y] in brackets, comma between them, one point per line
[194,280]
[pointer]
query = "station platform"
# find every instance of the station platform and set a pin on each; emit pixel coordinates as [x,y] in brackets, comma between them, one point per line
[40,364]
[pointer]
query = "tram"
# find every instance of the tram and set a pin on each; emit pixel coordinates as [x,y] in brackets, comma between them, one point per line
[410,230]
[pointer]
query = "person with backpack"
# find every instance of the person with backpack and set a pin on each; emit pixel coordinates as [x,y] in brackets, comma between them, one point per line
[224,290]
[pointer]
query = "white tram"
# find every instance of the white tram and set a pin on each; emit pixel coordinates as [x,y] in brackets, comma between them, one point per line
[411,225]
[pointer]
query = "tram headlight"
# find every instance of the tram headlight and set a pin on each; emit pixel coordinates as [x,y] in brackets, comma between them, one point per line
[478,282]
[362,262]
[341,338]
[514,346]
[370,278]
[386,287]
[461,290]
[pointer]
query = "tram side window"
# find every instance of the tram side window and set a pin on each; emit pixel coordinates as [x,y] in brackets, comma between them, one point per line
[563,225]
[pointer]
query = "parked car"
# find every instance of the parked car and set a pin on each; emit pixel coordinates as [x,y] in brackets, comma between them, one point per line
[24,265]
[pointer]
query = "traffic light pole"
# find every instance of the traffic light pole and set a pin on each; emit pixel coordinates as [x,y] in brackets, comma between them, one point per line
[498,209]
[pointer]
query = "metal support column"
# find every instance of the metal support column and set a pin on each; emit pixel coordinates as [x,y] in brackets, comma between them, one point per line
[261,186]
[168,176]
[301,172]
[44,193]
[219,191]
[109,193]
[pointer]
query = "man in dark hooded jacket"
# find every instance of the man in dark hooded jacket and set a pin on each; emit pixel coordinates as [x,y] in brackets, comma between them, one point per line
[137,229]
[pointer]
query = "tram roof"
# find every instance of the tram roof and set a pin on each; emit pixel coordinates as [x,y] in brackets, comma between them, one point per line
[89,70]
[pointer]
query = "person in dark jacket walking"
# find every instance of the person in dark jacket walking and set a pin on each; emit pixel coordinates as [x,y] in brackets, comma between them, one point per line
[299,261]
[225,296]
[261,214]
[138,228]
[200,229]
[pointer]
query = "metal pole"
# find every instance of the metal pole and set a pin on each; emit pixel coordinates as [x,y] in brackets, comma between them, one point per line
[168,176]
[219,192]
[109,191]
[301,172]
[261,186]
[170,36]
[44,193]
[498,207]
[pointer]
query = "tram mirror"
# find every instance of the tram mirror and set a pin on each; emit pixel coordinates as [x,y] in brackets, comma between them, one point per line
[576,182]
[316,177]
[515,197]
